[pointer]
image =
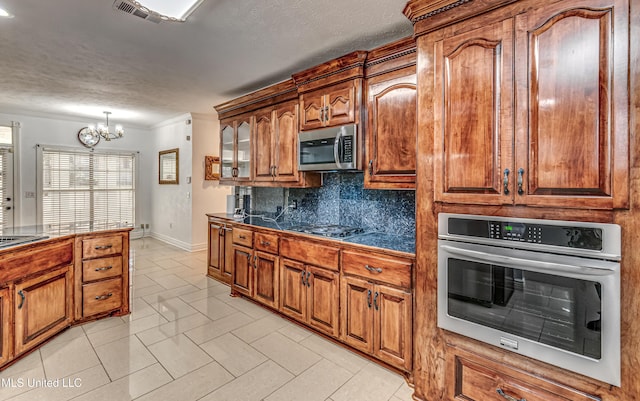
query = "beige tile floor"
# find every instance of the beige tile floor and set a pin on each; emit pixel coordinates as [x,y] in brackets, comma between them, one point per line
[186,340]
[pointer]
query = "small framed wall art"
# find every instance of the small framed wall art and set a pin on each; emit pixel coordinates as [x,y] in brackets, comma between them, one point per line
[211,168]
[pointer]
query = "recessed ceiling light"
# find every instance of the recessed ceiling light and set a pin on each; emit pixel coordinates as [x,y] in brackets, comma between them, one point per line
[4,13]
[174,9]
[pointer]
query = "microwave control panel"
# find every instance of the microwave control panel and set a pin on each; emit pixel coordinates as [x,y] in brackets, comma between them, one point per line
[547,234]
[347,146]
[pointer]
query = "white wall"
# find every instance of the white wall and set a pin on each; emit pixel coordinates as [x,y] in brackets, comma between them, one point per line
[208,196]
[51,130]
[171,204]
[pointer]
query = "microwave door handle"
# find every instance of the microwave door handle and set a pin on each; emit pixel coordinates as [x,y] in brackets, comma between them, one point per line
[336,149]
[533,264]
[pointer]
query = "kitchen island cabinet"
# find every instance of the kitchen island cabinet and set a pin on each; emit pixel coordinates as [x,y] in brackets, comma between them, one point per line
[52,283]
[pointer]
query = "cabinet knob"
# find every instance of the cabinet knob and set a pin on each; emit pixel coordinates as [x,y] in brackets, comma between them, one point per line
[505,181]
[507,396]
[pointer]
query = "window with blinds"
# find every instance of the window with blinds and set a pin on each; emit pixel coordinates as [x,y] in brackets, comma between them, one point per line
[6,172]
[81,188]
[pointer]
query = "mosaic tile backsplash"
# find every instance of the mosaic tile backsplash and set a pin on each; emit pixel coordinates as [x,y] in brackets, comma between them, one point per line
[343,200]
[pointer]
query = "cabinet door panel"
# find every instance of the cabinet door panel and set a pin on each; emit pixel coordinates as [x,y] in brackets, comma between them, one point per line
[293,293]
[227,269]
[392,129]
[243,149]
[570,129]
[286,128]
[311,110]
[339,101]
[323,300]
[6,349]
[42,308]
[393,321]
[214,261]
[227,149]
[242,276]
[357,313]
[264,139]
[266,279]
[472,114]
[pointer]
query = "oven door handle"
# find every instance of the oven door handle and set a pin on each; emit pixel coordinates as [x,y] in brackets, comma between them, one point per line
[605,269]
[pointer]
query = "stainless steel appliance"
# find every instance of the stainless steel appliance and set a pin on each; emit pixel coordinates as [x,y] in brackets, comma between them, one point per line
[328,230]
[546,289]
[328,149]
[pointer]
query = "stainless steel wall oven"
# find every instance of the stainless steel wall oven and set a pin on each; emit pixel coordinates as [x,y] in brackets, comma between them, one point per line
[546,289]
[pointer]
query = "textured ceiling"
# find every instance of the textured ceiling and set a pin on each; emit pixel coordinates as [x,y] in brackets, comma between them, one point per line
[80,57]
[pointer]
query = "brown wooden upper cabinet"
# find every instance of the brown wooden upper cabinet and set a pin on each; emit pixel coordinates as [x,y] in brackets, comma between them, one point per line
[391,124]
[330,94]
[276,142]
[235,148]
[328,107]
[533,110]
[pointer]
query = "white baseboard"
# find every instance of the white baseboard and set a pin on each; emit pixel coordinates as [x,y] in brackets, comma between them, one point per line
[177,243]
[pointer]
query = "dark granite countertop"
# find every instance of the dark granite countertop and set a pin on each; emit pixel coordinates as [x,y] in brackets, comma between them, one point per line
[14,236]
[391,242]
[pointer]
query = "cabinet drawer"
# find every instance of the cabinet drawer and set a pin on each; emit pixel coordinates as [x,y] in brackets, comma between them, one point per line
[266,242]
[103,246]
[380,268]
[98,269]
[478,379]
[242,237]
[101,297]
[310,252]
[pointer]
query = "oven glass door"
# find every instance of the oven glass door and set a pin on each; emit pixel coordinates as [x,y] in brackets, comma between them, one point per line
[559,311]
[563,310]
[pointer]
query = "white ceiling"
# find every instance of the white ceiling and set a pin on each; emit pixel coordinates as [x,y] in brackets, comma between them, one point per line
[82,57]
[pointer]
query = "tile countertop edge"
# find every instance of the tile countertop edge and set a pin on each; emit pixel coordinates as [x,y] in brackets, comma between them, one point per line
[231,219]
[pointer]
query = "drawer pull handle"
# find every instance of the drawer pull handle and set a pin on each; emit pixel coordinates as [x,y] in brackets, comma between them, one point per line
[373,269]
[103,297]
[507,396]
[100,247]
[265,243]
[21,299]
[242,237]
[101,269]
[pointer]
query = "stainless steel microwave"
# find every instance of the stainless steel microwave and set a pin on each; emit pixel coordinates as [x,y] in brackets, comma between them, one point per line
[328,149]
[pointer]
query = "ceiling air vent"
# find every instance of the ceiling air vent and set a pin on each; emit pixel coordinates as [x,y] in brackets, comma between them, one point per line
[133,8]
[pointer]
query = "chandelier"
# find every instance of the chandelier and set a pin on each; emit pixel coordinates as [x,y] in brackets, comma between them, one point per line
[104,131]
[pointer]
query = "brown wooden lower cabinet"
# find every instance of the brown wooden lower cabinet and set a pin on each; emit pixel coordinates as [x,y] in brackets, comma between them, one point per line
[6,337]
[310,294]
[471,377]
[42,307]
[377,319]
[242,277]
[220,249]
[266,278]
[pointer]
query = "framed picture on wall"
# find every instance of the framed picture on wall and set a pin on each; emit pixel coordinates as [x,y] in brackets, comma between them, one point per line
[168,162]
[211,168]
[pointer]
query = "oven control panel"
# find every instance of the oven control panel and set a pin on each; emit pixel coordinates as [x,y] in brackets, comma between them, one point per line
[548,234]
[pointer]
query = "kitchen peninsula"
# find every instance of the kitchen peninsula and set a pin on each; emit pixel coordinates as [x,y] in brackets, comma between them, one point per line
[60,278]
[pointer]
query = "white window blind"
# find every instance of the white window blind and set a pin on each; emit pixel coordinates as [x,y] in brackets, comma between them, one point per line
[5,169]
[86,188]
